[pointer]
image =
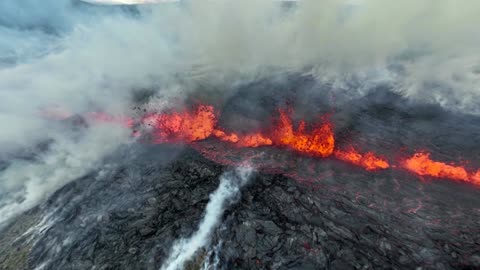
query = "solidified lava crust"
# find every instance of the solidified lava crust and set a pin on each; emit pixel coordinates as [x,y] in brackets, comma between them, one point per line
[346,219]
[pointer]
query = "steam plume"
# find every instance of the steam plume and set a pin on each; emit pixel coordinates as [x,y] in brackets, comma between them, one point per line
[227,191]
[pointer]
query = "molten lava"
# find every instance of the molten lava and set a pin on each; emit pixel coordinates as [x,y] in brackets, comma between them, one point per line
[182,127]
[254,140]
[421,164]
[318,142]
[476,178]
[369,160]
[248,140]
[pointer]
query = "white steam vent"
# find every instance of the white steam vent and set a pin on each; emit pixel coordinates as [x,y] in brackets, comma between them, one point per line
[226,193]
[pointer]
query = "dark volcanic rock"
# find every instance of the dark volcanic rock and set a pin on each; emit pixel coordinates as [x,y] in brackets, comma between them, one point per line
[128,217]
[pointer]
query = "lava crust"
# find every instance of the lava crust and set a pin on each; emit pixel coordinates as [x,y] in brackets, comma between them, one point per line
[130,217]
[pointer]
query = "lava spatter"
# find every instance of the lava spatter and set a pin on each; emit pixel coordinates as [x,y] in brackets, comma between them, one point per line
[421,164]
[248,140]
[318,142]
[184,127]
[370,161]
[476,178]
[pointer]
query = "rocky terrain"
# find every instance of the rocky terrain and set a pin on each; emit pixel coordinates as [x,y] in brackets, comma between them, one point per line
[239,135]
[130,215]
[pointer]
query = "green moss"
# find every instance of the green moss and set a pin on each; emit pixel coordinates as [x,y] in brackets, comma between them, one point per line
[197,262]
[14,248]
[15,260]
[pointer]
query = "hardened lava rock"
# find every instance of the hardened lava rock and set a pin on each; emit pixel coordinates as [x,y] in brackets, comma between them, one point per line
[130,216]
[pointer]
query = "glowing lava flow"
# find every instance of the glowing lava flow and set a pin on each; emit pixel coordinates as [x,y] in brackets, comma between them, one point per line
[248,140]
[319,142]
[198,125]
[369,160]
[476,178]
[182,127]
[421,164]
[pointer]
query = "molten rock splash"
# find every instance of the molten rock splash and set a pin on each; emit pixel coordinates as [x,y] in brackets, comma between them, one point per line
[317,141]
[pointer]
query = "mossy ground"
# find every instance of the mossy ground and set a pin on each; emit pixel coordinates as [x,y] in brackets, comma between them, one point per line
[14,247]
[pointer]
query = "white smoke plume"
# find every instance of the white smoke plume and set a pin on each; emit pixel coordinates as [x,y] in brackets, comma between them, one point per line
[228,190]
[81,57]
[25,183]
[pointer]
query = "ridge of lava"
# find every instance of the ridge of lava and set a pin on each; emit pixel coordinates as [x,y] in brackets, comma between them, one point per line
[316,140]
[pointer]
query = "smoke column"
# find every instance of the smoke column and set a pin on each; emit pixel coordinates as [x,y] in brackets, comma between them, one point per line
[226,193]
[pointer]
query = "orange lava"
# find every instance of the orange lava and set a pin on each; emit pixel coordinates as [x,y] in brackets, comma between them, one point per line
[476,178]
[421,164]
[249,140]
[254,140]
[369,160]
[182,127]
[318,142]
[201,124]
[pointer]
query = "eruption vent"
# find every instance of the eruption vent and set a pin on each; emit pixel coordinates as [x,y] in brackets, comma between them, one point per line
[189,126]
[319,142]
[182,127]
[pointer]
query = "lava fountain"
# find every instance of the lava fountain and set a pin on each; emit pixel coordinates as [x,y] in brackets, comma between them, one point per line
[316,140]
